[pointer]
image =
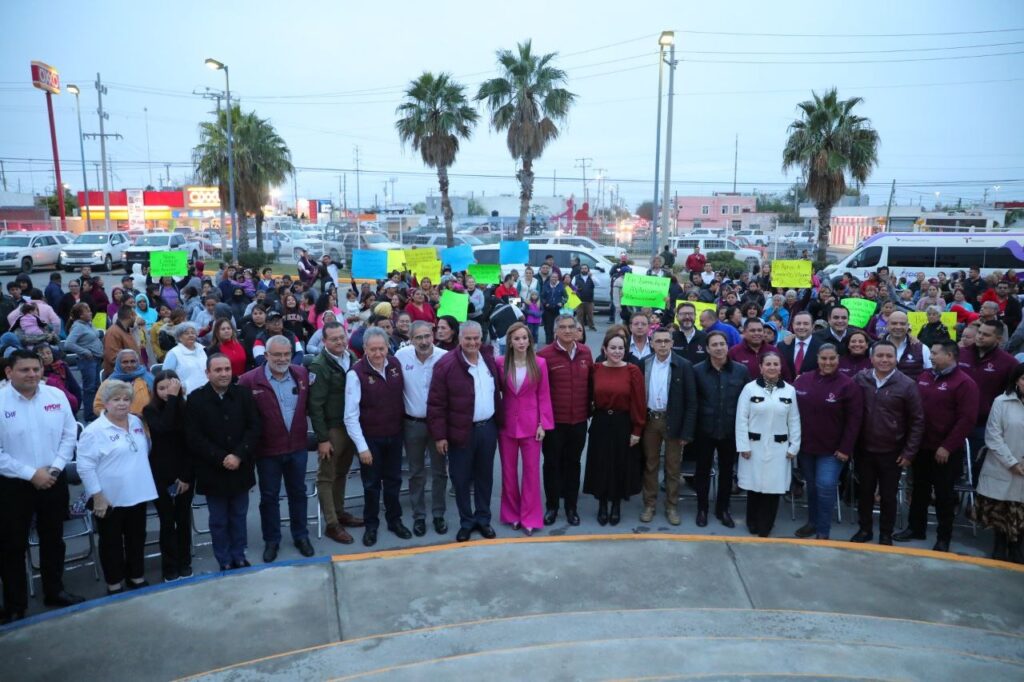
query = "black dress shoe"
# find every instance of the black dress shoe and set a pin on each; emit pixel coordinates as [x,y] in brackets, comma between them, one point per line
[908,534]
[487,532]
[419,528]
[370,537]
[702,518]
[270,551]
[806,530]
[399,529]
[132,585]
[885,538]
[305,547]
[940,545]
[440,525]
[726,519]
[614,515]
[63,598]
[862,536]
[572,517]
[602,513]
[244,563]
[549,516]
[463,535]
[12,617]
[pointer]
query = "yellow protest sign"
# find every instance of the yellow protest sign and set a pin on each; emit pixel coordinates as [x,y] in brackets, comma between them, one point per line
[428,269]
[396,260]
[920,319]
[573,301]
[791,274]
[417,257]
[99,321]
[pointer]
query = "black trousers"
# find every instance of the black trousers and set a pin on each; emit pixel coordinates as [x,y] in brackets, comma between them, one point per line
[383,474]
[929,475]
[548,317]
[19,502]
[877,470]
[175,530]
[761,511]
[563,450]
[705,448]
[122,534]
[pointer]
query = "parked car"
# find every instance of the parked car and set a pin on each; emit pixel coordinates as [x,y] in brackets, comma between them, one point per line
[563,253]
[367,240]
[609,252]
[754,237]
[149,243]
[26,251]
[809,236]
[708,245]
[95,249]
[438,240]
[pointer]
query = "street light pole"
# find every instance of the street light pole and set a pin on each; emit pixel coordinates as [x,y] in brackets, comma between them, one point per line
[657,152]
[668,35]
[214,64]
[73,89]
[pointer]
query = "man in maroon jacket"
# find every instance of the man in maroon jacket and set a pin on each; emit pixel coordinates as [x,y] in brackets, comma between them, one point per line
[463,415]
[569,365]
[695,261]
[950,401]
[890,436]
[280,390]
[749,352]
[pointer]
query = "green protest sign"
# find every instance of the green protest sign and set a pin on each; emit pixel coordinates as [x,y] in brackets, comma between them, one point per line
[645,291]
[454,304]
[861,310]
[485,274]
[168,263]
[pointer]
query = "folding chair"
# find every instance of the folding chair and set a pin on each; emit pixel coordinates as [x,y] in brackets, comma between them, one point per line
[198,503]
[964,488]
[311,493]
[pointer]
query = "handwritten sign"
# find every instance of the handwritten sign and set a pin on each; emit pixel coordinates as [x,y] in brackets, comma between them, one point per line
[368,264]
[644,291]
[429,270]
[459,257]
[791,274]
[485,274]
[861,310]
[417,257]
[396,260]
[168,263]
[920,319]
[455,304]
[513,252]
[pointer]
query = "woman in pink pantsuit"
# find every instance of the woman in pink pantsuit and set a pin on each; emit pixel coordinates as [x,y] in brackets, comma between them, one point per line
[526,399]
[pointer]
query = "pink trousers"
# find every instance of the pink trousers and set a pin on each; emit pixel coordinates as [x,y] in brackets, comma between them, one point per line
[521,502]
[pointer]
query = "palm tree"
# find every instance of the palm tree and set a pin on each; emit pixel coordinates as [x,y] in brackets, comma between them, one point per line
[828,143]
[262,160]
[433,118]
[526,100]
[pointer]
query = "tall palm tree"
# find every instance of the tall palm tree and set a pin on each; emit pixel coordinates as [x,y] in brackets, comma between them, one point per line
[526,100]
[262,159]
[829,142]
[433,118]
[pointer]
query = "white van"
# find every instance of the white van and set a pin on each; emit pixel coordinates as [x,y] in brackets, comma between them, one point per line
[907,254]
[609,252]
[563,253]
[684,247]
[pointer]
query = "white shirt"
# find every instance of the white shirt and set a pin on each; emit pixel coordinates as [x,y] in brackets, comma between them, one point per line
[707,277]
[881,382]
[189,364]
[635,350]
[35,432]
[343,361]
[353,395]
[417,376]
[926,354]
[570,351]
[116,462]
[657,388]
[483,389]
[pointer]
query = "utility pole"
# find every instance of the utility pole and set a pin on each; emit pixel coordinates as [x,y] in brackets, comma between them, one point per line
[735,162]
[149,159]
[668,141]
[888,209]
[168,167]
[600,193]
[582,164]
[3,176]
[214,95]
[358,200]
[984,200]
[554,184]
[97,166]
[344,193]
[100,91]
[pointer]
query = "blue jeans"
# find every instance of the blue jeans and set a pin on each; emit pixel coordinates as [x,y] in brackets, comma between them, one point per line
[821,475]
[90,370]
[384,473]
[473,463]
[292,468]
[227,527]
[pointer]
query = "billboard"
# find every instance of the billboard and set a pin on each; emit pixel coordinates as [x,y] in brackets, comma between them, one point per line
[136,209]
[45,77]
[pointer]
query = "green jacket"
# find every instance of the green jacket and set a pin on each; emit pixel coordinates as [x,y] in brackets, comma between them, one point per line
[327,394]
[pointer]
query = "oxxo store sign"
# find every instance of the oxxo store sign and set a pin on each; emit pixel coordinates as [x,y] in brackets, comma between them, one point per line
[202,197]
[45,77]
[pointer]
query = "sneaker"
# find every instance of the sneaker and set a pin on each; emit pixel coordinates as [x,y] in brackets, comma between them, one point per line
[171,576]
[806,530]
[647,515]
[185,572]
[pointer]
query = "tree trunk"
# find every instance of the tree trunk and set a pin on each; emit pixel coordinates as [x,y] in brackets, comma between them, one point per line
[446,205]
[259,230]
[824,230]
[243,237]
[525,177]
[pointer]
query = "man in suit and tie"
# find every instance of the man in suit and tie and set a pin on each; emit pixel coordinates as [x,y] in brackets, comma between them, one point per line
[800,351]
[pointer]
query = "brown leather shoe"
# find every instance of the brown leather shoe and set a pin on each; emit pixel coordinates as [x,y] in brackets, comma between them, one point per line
[338,534]
[349,520]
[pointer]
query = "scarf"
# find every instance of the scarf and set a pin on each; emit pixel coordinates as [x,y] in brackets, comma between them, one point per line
[130,377]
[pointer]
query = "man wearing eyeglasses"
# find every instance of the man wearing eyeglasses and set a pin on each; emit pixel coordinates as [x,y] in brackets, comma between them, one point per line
[281,390]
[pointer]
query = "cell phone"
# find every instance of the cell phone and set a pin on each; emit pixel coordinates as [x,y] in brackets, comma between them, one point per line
[173,490]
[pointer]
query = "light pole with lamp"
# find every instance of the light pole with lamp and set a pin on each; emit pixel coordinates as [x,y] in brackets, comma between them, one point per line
[220,66]
[668,38]
[73,89]
[995,194]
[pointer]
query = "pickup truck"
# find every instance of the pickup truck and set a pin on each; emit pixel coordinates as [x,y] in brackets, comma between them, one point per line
[148,243]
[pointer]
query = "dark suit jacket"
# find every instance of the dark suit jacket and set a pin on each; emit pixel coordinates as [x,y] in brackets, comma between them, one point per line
[682,397]
[788,351]
[216,427]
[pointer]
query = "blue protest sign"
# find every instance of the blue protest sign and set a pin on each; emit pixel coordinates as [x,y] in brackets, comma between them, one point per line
[513,253]
[459,257]
[369,264]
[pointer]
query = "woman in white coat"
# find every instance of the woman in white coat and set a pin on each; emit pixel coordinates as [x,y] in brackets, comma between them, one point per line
[188,358]
[1000,504]
[767,439]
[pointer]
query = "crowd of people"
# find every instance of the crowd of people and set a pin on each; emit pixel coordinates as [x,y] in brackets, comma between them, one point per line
[209,385]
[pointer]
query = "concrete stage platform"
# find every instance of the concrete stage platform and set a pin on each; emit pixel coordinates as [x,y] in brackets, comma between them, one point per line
[580,607]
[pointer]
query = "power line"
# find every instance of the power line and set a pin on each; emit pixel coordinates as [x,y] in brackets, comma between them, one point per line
[856,61]
[827,52]
[850,35]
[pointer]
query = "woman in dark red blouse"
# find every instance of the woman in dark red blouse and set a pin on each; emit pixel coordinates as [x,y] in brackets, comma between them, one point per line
[226,342]
[614,468]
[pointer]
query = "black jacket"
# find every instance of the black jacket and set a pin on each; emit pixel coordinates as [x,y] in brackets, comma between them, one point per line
[717,396]
[217,427]
[169,457]
[695,350]
[681,419]
[584,288]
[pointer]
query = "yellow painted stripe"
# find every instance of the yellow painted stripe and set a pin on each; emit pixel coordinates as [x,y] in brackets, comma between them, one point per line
[672,537]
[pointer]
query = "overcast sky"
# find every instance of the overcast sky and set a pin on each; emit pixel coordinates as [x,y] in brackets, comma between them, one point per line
[329,75]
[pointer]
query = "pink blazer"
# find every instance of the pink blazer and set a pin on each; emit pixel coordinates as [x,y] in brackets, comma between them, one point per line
[527,407]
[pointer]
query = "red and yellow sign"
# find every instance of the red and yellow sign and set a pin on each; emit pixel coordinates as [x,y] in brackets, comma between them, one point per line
[202,197]
[45,77]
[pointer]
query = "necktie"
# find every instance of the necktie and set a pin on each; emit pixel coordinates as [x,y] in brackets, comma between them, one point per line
[799,357]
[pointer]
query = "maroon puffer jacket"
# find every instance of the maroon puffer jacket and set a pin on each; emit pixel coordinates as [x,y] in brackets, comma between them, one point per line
[452,395]
[570,381]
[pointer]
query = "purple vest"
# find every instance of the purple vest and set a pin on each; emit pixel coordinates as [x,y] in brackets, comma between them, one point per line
[912,361]
[381,407]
